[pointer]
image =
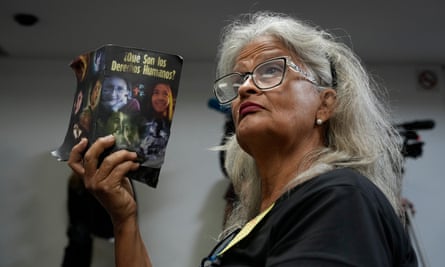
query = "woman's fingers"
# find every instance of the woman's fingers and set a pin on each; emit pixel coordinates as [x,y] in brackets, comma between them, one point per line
[108,167]
[112,187]
[91,158]
[75,160]
[116,166]
[87,163]
[105,175]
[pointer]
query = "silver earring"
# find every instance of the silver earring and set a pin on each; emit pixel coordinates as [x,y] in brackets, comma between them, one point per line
[319,122]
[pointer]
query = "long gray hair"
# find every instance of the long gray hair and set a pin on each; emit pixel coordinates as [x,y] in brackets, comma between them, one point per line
[359,135]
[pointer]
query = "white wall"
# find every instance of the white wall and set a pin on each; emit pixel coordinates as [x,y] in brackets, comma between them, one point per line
[424,179]
[181,217]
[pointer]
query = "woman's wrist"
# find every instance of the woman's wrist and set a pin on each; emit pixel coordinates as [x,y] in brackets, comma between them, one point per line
[128,224]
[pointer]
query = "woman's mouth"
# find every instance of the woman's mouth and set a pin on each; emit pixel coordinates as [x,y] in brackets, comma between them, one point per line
[248,108]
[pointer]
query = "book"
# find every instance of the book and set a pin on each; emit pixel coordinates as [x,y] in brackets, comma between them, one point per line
[129,93]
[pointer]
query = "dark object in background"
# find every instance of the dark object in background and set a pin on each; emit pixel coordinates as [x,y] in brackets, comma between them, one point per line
[412,145]
[87,219]
[229,129]
[230,196]
[25,19]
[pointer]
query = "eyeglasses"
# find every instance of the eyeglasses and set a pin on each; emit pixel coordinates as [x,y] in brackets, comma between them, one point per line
[265,76]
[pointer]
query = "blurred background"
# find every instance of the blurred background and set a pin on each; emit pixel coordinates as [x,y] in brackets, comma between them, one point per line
[401,42]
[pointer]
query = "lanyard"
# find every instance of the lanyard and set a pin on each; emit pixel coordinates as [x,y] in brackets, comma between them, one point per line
[247,228]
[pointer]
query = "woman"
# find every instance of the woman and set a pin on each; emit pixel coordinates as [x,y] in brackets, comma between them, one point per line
[314,160]
[162,101]
[157,128]
[95,94]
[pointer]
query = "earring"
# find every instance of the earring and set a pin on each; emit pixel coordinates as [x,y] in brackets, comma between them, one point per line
[319,122]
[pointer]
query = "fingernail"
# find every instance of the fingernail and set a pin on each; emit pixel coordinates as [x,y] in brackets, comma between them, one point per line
[109,136]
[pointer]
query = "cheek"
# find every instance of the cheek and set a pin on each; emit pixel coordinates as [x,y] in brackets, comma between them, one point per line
[234,107]
[164,100]
[297,105]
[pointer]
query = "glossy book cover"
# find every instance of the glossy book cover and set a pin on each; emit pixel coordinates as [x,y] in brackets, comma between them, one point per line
[130,93]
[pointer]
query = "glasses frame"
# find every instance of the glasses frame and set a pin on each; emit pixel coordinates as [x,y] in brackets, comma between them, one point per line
[245,76]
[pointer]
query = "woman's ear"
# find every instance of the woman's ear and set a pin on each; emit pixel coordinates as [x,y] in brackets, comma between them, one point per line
[328,104]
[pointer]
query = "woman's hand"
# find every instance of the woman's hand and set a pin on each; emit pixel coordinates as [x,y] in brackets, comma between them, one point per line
[108,181]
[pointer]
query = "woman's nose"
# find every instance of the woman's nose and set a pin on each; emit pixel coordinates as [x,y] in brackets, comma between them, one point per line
[248,87]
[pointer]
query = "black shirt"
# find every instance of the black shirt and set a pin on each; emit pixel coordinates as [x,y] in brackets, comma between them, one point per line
[339,218]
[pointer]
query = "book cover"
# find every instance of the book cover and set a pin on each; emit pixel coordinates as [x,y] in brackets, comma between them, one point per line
[131,94]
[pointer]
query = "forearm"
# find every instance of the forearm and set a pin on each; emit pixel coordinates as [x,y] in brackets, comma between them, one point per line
[130,249]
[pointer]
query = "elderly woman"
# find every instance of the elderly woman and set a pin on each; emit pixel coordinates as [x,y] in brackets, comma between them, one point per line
[314,160]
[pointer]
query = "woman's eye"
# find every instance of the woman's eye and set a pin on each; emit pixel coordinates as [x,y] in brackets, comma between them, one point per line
[271,69]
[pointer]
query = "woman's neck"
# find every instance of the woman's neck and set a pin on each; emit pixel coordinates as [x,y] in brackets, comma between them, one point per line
[278,169]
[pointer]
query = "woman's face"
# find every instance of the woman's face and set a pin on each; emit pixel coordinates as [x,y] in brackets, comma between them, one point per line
[160,97]
[115,92]
[94,97]
[78,102]
[284,114]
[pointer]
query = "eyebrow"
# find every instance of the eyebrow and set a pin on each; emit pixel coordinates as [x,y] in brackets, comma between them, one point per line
[261,59]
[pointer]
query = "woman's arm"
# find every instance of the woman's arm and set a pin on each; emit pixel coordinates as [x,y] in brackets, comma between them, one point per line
[129,247]
[107,181]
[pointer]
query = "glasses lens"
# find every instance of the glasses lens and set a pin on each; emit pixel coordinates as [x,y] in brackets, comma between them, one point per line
[226,88]
[270,73]
[265,76]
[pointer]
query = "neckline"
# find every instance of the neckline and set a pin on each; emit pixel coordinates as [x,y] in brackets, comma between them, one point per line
[247,228]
